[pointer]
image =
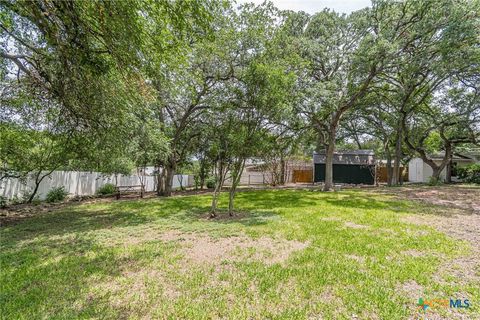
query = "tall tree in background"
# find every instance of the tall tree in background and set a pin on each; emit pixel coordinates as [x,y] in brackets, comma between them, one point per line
[450,120]
[341,56]
[433,34]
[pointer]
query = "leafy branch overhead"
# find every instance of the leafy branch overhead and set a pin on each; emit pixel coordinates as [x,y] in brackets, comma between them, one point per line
[118,85]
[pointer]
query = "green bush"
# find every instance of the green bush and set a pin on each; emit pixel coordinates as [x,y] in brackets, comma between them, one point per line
[106,189]
[470,173]
[56,194]
[434,181]
[196,180]
[36,200]
[210,183]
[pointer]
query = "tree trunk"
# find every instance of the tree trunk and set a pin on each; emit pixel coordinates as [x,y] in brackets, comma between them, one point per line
[236,176]
[220,173]
[329,164]
[283,166]
[436,173]
[398,157]
[161,182]
[437,169]
[230,200]
[448,178]
[389,169]
[202,174]
[170,172]
[38,180]
[37,184]
[216,193]
[141,177]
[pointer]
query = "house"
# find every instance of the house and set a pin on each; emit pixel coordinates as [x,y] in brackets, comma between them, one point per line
[420,172]
[351,166]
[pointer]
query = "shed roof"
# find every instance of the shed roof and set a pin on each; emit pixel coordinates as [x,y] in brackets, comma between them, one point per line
[365,157]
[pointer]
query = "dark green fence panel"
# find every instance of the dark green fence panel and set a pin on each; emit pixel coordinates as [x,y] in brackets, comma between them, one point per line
[347,173]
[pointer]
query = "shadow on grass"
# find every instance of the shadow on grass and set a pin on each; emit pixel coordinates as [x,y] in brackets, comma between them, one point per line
[257,207]
[45,275]
[299,198]
[58,223]
[53,257]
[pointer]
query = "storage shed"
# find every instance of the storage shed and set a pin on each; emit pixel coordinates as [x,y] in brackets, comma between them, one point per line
[420,172]
[352,166]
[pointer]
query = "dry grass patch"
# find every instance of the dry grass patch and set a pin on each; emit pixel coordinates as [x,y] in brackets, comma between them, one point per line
[452,196]
[204,249]
[463,227]
[352,225]
[413,253]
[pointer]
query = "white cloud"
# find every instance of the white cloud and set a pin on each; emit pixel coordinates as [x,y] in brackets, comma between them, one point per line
[312,6]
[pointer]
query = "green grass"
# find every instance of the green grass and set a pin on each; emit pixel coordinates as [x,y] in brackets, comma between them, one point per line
[107,260]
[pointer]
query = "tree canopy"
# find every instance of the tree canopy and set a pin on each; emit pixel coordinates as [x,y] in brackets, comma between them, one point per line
[114,85]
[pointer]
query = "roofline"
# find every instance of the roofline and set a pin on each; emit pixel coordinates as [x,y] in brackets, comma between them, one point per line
[352,152]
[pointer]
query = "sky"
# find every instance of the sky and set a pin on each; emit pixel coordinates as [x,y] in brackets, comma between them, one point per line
[312,6]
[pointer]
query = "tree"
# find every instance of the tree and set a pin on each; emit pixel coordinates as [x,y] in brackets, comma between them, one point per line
[433,32]
[148,144]
[450,120]
[341,56]
[30,153]
[88,63]
[74,52]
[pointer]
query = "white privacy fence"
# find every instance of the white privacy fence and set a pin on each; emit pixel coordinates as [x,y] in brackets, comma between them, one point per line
[78,183]
[252,178]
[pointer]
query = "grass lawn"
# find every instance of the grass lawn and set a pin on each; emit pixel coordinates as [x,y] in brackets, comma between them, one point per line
[288,254]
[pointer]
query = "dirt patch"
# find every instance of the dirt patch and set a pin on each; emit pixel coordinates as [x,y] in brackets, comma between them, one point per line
[452,196]
[352,225]
[464,269]
[131,291]
[356,258]
[331,219]
[457,214]
[413,253]
[411,289]
[463,227]
[202,249]
[414,291]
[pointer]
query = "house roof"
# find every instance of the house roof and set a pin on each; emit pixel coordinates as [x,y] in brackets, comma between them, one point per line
[456,157]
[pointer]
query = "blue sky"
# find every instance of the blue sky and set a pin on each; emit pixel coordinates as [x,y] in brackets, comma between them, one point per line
[312,6]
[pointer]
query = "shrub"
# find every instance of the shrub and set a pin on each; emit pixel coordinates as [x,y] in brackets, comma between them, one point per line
[196,180]
[3,202]
[15,200]
[210,183]
[36,200]
[106,189]
[470,173]
[57,194]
